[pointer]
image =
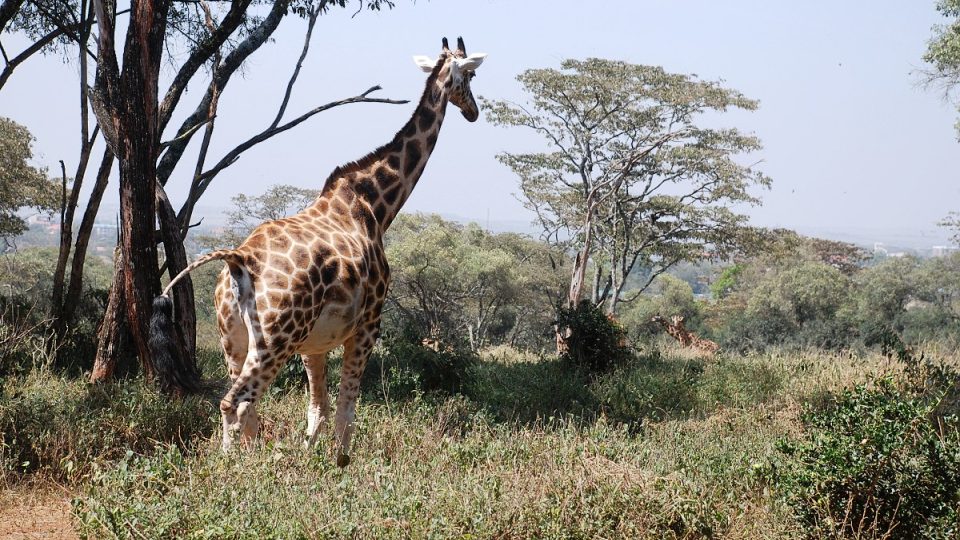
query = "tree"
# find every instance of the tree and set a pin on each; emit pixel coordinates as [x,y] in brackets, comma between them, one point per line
[278,201]
[943,52]
[630,180]
[21,184]
[952,222]
[463,284]
[132,116]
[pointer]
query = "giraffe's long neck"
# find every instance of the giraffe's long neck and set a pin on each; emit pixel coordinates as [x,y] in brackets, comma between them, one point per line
[386,177]
[413,145]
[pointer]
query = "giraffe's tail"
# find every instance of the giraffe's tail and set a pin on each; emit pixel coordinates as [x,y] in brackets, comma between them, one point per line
[174,372]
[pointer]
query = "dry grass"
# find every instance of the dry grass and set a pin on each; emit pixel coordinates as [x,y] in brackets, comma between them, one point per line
[490,464]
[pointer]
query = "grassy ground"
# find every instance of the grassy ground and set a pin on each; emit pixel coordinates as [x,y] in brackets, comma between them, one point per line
[671,446]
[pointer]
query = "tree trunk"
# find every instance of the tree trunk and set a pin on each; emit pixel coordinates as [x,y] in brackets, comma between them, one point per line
[113,334]
[583,258]
[126,104]
[83,238]
[184,303]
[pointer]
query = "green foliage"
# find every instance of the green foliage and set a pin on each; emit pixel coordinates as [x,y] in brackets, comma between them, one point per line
[943,50]
[21,184]
[877,462]
[277,202]
[726,281]
[400,370]
[627,161]
[62,428]
[595,342]
[465,285]
[26,278]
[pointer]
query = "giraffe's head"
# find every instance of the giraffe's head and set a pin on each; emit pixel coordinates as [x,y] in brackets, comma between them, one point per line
[658,319]
[460,70]
[678,320]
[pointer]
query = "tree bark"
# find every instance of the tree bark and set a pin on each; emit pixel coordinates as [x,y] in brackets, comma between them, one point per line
[75,286]
[184,303]
[113,335]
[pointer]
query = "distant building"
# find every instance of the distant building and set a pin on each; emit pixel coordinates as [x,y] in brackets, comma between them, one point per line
[942,251]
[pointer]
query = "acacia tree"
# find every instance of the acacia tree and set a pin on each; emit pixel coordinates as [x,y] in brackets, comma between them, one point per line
[630,180]
[248,211]
[131,118]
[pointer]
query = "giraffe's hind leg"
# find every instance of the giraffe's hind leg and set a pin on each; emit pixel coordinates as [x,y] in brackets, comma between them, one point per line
[239,406]
[355,353]
[234,338]
[318,407]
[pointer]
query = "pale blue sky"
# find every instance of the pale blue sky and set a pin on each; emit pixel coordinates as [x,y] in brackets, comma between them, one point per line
[851,141]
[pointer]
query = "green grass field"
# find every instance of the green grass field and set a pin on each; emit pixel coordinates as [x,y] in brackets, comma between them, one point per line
[668,446]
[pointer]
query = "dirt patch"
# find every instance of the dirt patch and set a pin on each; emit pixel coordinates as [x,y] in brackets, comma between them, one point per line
[29,515]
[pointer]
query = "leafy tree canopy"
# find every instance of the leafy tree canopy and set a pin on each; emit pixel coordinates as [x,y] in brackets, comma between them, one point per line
[631,177]
[21,184]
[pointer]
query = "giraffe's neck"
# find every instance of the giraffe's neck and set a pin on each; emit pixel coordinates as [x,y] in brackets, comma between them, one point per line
[386,177]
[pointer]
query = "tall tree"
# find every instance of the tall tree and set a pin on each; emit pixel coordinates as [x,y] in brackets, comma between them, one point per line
[132,116]
[630,179]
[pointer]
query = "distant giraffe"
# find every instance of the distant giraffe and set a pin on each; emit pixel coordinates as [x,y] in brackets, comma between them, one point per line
[310,282]
[686,338]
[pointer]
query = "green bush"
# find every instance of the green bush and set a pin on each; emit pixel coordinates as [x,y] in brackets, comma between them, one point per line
[877,462]
[60,427]
[595,342]
[401,369]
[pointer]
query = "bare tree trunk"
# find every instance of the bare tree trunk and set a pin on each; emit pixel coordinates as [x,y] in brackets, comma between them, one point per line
[113,334]
[583,258]
[57,306]
[184,302]
[83,237]
[126,104]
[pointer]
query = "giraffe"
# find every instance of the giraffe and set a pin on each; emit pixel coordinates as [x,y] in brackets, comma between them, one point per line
[318,279]
[686,338]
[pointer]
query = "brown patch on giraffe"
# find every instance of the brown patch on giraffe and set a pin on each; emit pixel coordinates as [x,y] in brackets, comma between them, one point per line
[366,190]
[330,271]
[427,118]
[384,177]
[413,155]
[254,266]
[390,196]
[300,257]
[362,214]
[257,242]
[280,243]
[380,212]
[394,162]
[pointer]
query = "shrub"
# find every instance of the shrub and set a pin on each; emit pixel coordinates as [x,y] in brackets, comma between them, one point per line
[401,369]
[60,427]
[878,462]
[595,342]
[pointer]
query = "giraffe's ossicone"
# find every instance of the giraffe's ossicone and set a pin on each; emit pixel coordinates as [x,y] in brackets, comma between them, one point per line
[316,280]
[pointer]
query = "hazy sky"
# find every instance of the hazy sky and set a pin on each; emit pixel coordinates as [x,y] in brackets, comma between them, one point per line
[850,139]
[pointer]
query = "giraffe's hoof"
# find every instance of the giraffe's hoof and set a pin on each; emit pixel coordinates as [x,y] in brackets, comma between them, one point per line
[343,460]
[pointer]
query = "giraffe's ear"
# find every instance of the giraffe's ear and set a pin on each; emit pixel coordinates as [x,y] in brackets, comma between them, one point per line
[425,62]
[472,62]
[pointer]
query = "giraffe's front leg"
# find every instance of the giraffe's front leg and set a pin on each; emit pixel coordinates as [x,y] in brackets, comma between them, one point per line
[355,353]
[318,406]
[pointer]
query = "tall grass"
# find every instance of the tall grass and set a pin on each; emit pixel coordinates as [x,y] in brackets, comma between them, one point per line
[664,446]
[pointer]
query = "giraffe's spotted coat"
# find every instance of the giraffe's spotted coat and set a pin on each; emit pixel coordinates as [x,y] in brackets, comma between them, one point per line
[313,281]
